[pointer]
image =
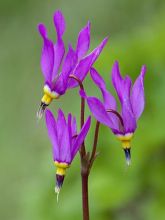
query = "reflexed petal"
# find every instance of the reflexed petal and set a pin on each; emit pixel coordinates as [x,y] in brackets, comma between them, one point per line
[59,23]
[74,126]
[52,132]
[65,148]
[70,127]
[127,114]
[99,112]
[47,56]
[61,124]
[63,138]
[68,66]
[83,41]
[85,64]
[80,138]
[117,80]
[137,96]
[59,48]
[122,87]
[59,51]
[109,100]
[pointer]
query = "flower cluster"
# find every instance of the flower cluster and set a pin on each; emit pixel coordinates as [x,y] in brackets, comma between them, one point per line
[57,68]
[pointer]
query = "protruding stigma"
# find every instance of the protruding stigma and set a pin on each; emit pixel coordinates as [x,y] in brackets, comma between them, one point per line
[127,152]
[41,110]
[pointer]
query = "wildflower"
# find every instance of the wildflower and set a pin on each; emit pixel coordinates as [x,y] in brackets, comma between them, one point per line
[56,69]
[65,141]
[132,105]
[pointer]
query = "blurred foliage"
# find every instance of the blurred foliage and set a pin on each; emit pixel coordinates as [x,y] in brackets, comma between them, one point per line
[137,36]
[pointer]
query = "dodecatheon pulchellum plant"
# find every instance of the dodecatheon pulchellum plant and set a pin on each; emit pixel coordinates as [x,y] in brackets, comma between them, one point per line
[65,141]
[123,124]
[57,69]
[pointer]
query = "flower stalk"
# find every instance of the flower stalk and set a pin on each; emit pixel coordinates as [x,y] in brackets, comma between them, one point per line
[86,159]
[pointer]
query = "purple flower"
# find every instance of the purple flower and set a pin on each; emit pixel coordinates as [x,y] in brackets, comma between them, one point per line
[65,141]
[56,68]
[131,98]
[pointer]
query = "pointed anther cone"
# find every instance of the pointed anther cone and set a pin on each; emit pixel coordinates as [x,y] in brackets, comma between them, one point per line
[59,183]
[41,110]
[127,152]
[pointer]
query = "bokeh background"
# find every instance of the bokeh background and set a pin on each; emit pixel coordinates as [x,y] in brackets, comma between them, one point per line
[137,36]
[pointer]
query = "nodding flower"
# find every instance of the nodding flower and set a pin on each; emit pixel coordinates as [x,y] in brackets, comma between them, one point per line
[65,141]
[56,66]
[132,101]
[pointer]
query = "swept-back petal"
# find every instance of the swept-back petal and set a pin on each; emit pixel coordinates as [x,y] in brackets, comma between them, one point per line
[83,41]
[127,113]
[122,87]
[63,138]
[80,138]
[70,127]
[117,80]
[68,66]
[109,100]
[47,55]
[99,112]
[59,48]
[61,124]
[59,23]
[85,64]
[52,132]
[137,96]
[74,126]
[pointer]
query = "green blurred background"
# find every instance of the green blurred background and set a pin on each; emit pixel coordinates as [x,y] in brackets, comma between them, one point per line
[137,36]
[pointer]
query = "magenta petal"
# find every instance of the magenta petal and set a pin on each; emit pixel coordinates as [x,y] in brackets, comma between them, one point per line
[70,126]
[80,138]
[63,138]
[122,87]
[137,96]
[61,124]
[117,80]
[59,51]
[47,56]
[74,126]
[99,112]
[83,41]
[109,100]
[59,48]
[59,23]
[52,132]
[85,64]
[68,66]
[65,148]
[127,113]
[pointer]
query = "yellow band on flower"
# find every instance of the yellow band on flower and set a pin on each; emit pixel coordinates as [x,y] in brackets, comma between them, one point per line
[46,99]
[49,95]
[61,168]
[126,140]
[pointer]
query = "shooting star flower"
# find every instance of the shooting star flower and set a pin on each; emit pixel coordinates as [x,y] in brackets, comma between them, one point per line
[56,69]
[132,101]
[65,141]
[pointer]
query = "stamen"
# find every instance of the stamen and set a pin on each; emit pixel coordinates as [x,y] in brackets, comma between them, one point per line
[127,152]
[41,110]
